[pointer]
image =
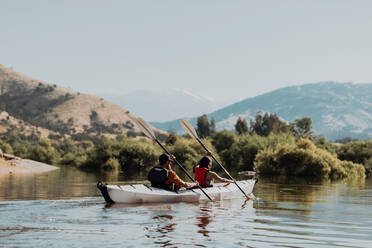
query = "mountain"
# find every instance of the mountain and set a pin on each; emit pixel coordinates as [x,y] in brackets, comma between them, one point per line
[165,105]
[337,110]
[61,110]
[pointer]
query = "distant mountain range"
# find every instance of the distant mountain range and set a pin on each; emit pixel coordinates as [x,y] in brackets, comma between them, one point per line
[165,105]
[337,110]
[30,104]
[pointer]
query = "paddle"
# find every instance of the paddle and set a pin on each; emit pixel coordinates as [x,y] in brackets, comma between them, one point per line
[192,132]
[147,130]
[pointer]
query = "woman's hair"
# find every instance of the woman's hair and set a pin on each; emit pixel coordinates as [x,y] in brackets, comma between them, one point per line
[204,162]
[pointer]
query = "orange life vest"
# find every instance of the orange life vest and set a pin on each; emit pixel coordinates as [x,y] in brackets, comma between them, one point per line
[200,175]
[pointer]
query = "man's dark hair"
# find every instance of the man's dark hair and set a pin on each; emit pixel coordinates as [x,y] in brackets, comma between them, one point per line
[204,162]
[163,158]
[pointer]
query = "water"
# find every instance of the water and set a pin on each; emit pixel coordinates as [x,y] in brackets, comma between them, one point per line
[64,209]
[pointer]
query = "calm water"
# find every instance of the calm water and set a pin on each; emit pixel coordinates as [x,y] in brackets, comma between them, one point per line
[64,209]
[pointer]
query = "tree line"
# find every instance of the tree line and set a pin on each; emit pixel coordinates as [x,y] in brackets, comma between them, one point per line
[268,145]
[262,125]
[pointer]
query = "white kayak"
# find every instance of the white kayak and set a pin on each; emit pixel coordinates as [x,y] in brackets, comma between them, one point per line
[140,193]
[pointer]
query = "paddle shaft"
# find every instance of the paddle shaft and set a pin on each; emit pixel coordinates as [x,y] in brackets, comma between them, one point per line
[201,143]
[183,169]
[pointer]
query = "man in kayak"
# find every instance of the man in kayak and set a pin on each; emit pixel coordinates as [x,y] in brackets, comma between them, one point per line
[162,175]
[204,176]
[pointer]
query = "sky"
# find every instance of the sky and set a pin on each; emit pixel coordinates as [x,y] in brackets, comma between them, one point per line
[220,49]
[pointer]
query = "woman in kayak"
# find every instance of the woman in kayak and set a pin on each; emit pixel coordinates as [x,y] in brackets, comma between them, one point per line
[162,175]
[204,176]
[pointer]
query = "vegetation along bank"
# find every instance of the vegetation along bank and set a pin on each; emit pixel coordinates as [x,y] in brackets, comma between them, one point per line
[267,145]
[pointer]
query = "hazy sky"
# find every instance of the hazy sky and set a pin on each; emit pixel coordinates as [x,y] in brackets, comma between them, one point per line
[223,49]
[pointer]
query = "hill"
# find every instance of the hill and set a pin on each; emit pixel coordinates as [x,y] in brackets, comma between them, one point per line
[338,110]
[61,110]
[8,124]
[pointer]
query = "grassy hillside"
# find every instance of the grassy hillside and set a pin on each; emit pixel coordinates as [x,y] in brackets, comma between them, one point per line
[9,124]
[59,109]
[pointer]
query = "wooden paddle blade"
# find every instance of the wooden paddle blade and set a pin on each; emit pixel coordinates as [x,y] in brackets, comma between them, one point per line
[188,128]
[146,129]
[135,121]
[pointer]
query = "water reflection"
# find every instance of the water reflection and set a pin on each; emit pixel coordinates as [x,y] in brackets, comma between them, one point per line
[203,220]
[159,232]
[301,191]
[286,213]
[64,183]
[58,184]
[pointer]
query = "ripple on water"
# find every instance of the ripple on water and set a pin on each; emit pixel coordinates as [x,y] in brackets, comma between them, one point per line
[283,215]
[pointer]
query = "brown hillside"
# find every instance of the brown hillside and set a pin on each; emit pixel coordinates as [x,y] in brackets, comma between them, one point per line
[59,109]
[9,123]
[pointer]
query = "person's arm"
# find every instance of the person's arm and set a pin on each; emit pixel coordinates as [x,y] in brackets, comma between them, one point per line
[178,182]
[217,178]
[173,178]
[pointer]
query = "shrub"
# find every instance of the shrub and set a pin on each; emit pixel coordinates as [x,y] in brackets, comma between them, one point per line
[306,160]
[356,151]
[141,155]
[223,140]
[239,151]
[323,144]
[129,153]
[368,164]
[6,148]
[44,152]
[171,139]
[74,159]
[111,164]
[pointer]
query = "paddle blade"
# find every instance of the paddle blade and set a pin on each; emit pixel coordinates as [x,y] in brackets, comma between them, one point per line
[247,173]
[133,118]
[146,128]
[136,123]
[188,128]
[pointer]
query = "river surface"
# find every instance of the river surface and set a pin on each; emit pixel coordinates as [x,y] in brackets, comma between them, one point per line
[63,208]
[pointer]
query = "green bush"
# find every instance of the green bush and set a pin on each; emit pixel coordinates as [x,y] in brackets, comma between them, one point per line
[239,151]
[6,148]
[111,164]
[223,140]
[368,164]
[139,155]
[356,151]
[279,154]
[44,152]
[129,153]
[329,146]
[74,159]
[306,160]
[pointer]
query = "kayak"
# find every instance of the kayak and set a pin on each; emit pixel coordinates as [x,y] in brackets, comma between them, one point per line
[141,193]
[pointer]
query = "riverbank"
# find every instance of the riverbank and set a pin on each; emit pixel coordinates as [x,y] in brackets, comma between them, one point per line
[10,164]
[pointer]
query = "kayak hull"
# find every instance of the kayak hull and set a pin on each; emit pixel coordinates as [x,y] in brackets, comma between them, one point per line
[140,193]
